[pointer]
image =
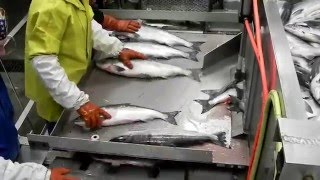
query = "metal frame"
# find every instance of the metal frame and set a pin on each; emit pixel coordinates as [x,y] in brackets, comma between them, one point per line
[299,157]
[301,147]
[215,16]
[281,74]
[61,139]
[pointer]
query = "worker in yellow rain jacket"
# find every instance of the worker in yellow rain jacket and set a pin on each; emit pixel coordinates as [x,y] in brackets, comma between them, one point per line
[60,35]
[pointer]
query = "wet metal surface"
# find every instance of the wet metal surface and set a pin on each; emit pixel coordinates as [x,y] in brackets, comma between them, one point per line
[174,94]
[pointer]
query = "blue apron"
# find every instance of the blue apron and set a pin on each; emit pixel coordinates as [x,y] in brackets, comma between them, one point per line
[9,145]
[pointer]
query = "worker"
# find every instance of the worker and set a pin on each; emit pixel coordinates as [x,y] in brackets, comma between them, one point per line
[9,145]
[60,36]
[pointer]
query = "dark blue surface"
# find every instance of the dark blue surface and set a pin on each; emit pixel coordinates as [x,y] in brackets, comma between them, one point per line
[9,145]
[3,29]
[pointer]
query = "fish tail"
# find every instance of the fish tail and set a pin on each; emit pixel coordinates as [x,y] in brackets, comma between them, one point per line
[171,117]
[212,93]
[220,139]
[193,56]
[205,105]
[195,74]
[196,45]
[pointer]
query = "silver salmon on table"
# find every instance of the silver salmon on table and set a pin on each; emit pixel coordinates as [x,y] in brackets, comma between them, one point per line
[126,114]
[146,69]
[170,140]
[219,96]
[152,34]
[152,50]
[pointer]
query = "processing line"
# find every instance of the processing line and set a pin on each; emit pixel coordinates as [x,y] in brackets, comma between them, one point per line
[225,53]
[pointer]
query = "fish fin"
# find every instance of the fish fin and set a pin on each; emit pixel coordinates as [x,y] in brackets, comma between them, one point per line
[171,117]
[239,92]
[220,139]
[195,74]
[205,105]
[193,56]
[308,107]
[212,93]
[196,45]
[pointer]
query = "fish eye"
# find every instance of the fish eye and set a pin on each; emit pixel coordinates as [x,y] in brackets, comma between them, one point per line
[121,138]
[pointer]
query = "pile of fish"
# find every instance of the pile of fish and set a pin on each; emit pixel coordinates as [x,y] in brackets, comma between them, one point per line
[157,45]
[301,20]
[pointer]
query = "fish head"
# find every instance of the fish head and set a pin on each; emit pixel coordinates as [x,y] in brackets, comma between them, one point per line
[115,69]
[122,139]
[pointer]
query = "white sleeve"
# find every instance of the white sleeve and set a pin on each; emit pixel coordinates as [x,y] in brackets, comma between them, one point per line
[64,92]
[25,171]
[105,45]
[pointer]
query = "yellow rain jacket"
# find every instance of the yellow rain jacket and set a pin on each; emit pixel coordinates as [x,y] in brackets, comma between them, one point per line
[57,27]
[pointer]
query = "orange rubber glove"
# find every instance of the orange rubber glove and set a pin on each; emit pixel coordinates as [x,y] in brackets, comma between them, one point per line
[126,55]
[60,174]
[92,115]
[114,24]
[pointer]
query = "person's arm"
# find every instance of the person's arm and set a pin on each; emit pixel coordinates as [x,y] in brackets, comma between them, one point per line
[44,46]
[26,171]
[111,47]
[63,91]
[31,171]
[107,46]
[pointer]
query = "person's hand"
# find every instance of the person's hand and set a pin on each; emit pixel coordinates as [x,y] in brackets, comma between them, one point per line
[61,174]
[126,55]
[128,26]
[114,24]
[92,115]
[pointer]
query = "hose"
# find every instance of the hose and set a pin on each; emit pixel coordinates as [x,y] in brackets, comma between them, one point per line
[272,103]
[257,47]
